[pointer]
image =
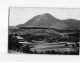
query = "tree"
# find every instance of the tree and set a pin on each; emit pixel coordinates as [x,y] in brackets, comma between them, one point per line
[13,43]
[26,49]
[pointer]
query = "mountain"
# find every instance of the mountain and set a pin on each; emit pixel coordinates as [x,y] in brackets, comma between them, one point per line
[48,21]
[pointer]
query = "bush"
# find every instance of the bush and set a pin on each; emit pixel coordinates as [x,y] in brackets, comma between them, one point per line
[26,49]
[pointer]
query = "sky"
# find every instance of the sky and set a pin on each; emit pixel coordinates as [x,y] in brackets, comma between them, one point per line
[23,14]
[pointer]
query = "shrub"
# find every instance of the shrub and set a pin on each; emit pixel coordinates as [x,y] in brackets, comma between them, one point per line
[26,49]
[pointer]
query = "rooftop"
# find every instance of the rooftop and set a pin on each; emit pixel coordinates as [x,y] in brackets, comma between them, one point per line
[19,37]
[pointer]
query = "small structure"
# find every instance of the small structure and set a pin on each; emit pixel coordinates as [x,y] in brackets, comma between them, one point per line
[20,39]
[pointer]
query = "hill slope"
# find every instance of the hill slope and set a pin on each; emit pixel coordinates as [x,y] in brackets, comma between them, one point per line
[48,21]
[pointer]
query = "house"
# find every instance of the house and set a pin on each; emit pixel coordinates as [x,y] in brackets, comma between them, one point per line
[20,39]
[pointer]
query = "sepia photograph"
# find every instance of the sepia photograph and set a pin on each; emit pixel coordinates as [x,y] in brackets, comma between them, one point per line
[50,31]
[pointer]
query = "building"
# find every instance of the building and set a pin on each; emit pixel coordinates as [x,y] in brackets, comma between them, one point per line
[20,39]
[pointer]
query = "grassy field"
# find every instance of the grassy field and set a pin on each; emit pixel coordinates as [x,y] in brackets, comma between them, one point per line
[43,46]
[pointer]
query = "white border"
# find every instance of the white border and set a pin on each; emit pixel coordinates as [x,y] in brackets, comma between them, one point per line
[5,4]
